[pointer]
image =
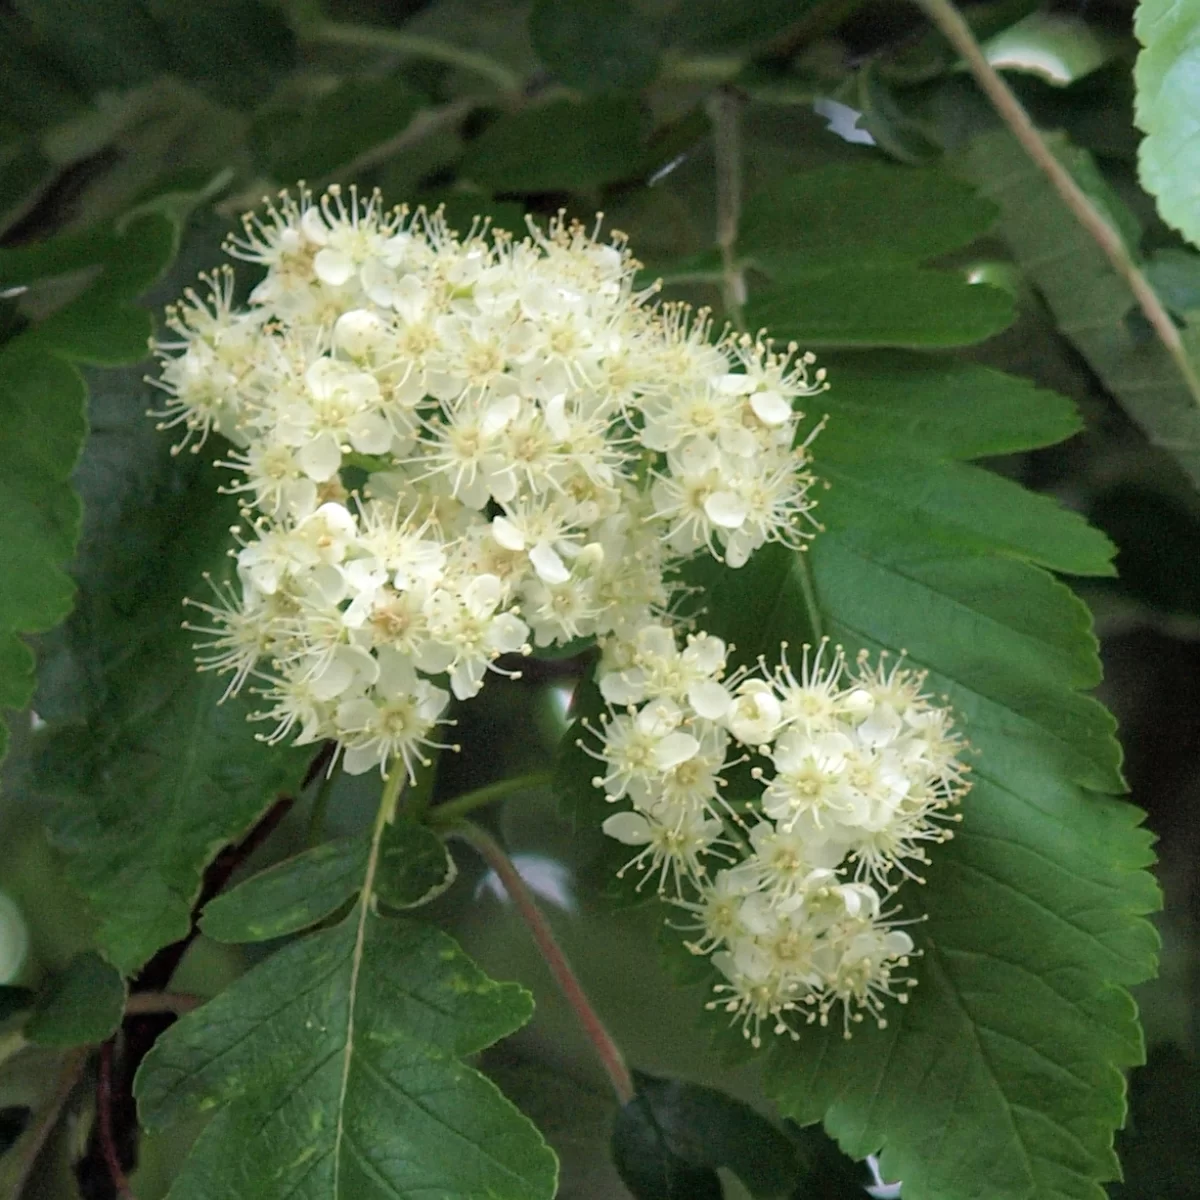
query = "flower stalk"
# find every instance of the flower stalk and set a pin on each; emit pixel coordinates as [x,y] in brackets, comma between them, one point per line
[607,1050]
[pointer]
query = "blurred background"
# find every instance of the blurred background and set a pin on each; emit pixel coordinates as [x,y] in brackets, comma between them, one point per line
[496,107]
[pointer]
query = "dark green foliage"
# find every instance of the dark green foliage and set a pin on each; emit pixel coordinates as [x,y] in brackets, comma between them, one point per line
[670,1138]
[335,1068]
[81,1005]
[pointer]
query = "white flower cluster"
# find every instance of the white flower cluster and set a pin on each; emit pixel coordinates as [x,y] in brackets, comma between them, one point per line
[864,771]
[453,448]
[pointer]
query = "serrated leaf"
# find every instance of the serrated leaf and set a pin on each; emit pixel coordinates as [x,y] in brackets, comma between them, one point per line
[870,306]
[334,127]
[165,774]
[1167,78]
[151,777]
[595,45]
[868,213]
[335,1071]
[1034,910]
[580,146]
[82,1005]
[1002,1078]
[290,896]
[414,865]
[842,248]
[42,424]
[1092,306]
[701,1129]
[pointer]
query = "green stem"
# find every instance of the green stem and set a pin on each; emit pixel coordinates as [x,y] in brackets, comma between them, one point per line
[606,1049]
[316,819]
[724,110]
[372,37]
[958,33]
[460,806]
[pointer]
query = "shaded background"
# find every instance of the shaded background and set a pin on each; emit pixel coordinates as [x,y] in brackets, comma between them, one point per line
[495,107]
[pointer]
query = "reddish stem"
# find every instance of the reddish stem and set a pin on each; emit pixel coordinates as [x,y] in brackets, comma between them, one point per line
[104,1124]
[607,1050]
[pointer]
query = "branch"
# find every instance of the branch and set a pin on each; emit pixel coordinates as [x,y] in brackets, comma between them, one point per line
[177,1003]
[607,1050]
[958,33]
[373,37]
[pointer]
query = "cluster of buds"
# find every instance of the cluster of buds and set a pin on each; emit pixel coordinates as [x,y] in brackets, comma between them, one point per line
[451,449]
[864,773]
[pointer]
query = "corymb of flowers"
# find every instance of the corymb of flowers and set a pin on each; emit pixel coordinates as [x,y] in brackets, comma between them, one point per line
[453,449]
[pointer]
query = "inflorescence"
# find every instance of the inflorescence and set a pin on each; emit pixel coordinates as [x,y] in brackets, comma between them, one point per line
[449,449]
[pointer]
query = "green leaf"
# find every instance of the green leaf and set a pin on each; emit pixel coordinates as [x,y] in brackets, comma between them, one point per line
[579,146]
[414,865]
[648,1166]
[1092,305]
[290,896]
[335,1071]
[872,306]
[42,423]
[595,45]
[334,128]
[869,213]
[843,247]
[82,1005]
[165,774]
[671,1126]
[148,775]
[1167,78]
[1034,911]
[233,50]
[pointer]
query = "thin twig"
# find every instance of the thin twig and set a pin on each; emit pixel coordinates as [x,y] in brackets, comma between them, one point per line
[724,110]
[374,37]
[958,33]
[104,1124]
[178,1003]
[607,1050]
[453,810]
